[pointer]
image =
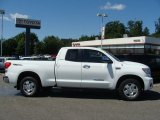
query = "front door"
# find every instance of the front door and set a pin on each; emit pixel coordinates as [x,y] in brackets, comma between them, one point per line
[96,73]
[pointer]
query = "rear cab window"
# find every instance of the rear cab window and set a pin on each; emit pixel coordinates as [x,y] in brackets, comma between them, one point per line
[73,55]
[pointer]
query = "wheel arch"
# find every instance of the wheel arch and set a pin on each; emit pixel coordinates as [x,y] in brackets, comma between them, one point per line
[28,74]
[123,78]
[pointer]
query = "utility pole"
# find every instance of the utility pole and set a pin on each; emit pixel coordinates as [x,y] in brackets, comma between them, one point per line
[102,26]
[2,12]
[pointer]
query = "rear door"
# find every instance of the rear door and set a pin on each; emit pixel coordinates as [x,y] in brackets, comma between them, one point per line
[96,72]
[69,69]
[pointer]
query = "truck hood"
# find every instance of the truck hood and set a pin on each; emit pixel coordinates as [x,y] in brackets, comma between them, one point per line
[134,64]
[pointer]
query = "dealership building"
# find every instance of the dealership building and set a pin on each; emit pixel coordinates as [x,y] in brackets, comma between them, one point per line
[127,45]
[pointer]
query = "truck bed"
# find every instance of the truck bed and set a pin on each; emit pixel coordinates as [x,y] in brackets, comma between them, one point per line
[45,70]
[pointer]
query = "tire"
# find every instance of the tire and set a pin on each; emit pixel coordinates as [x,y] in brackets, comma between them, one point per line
[29,86]
[130,89]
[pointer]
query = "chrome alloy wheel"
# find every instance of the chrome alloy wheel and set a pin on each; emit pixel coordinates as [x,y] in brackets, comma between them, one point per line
[130,90]
[29,87]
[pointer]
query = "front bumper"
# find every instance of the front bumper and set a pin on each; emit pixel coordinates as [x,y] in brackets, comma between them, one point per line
[148,83]
[6,79]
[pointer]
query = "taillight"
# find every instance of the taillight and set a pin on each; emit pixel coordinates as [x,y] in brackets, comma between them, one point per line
[7,64]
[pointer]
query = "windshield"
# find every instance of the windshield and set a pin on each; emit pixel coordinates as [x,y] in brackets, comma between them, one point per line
[112,56]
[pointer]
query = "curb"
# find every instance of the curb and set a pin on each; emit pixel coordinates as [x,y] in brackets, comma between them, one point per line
[156,85]
[1,74]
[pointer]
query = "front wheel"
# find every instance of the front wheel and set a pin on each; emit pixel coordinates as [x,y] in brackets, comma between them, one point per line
[29,86]
[130,89]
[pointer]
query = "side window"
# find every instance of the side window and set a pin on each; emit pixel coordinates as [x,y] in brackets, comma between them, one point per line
[94,56]
[72,55]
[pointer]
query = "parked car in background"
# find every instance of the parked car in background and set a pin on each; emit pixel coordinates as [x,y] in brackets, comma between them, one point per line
[1,64]
[30,58]
[35,58]
[153,61]
[2,61]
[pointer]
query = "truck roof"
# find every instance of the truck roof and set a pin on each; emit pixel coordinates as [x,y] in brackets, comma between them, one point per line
[93,48]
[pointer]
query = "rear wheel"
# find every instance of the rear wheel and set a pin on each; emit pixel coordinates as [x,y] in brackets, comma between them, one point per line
[29,86]
[130,89]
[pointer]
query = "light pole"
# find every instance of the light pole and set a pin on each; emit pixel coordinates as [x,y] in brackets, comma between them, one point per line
[2,12]
[102,26]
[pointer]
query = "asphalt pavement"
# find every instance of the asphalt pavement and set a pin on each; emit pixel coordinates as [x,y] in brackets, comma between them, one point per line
[77,105]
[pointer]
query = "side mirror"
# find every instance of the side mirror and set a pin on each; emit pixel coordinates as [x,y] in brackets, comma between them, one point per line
[107,60]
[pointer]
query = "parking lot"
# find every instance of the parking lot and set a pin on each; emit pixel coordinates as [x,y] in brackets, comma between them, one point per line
[77,105]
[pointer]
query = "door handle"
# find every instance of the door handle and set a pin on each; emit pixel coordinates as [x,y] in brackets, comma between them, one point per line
[86,66]
[118,68]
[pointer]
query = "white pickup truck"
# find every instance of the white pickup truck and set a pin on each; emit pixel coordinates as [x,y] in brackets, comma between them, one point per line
[80,67]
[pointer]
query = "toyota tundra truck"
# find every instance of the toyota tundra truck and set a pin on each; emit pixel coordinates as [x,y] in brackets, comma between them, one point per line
[80,67]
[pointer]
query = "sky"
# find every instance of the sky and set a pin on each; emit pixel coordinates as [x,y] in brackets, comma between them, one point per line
[74,18]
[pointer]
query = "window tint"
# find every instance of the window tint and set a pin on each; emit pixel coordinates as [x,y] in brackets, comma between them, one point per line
[94,56]
[72,55]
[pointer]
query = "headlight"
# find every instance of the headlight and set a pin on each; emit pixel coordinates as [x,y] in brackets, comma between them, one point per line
[147,71]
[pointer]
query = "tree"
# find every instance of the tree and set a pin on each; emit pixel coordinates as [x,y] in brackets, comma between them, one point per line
[33,42]
[39,48]
[20,39]
[135,28]
[52,45]
[157,25]
[85,37]
[9,47]
[157,29]
[146,31]
[114,29]
[68,42]
[20,50]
